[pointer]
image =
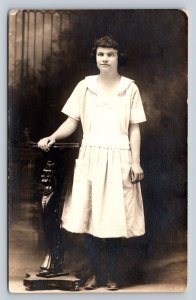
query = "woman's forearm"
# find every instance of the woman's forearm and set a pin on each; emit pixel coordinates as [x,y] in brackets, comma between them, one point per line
[135,142]
[66,129]
[137,173]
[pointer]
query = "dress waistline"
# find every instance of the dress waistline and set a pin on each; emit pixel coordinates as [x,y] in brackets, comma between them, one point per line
[120,141]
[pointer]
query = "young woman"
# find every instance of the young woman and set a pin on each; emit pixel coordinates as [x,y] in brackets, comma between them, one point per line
[106,201]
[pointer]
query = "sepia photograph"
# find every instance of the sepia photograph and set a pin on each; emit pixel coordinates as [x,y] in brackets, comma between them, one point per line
[97,150]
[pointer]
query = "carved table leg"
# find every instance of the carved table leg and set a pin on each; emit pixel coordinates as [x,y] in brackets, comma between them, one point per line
[52,264]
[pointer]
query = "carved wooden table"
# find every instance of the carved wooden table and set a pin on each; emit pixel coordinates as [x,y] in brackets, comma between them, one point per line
[51,275]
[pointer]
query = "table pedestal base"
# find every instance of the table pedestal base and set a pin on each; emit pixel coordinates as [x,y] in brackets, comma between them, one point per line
[32,282]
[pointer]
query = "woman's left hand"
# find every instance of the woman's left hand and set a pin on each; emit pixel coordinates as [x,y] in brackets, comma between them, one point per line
[136,173]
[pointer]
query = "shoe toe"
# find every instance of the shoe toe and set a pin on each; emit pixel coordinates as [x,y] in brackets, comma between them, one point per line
[91,283]
[112,286]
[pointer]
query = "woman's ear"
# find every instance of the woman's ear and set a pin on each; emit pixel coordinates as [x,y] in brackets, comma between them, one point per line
[122,59]
[93,54]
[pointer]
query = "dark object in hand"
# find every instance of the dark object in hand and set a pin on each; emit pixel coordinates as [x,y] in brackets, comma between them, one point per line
[132,176]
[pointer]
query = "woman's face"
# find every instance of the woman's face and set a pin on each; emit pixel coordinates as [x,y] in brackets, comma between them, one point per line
[107,59]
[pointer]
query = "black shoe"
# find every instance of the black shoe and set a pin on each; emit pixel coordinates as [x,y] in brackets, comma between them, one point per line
[91,283]
[112,285]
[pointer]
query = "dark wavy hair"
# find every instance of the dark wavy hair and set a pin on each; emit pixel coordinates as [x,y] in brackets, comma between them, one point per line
[109,42]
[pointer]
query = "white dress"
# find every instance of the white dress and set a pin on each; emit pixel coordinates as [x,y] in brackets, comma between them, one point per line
[103,201]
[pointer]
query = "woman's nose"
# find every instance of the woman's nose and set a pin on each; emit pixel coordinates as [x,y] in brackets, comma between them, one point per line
[105,59]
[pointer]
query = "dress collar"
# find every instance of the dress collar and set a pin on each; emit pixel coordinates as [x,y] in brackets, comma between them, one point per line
[92,83]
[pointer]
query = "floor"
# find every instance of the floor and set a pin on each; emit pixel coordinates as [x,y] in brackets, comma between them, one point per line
[155,273]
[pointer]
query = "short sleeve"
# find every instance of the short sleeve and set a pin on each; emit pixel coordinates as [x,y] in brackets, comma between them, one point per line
[137,110]
[72,106]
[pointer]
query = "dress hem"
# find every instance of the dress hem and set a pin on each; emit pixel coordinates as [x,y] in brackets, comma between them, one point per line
[104,235]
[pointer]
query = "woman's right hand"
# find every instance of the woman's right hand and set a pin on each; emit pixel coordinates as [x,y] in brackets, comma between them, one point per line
[46,143]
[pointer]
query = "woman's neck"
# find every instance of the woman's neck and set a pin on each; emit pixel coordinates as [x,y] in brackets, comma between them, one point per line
[108,84]
[105,77]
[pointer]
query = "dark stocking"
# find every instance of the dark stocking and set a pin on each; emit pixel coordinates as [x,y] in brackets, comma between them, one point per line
[113,249]
[93,245]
